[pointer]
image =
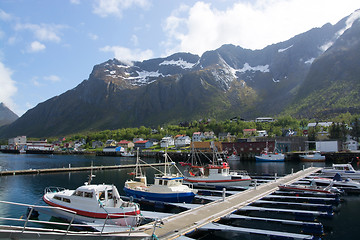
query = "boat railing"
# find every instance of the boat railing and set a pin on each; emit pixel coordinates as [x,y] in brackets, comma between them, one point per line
[22,223]
[52,189]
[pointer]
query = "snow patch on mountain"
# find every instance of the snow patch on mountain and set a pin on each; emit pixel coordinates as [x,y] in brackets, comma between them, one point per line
[144,77]
[276,80]
[247,67]
[309,61]
[284,49]
[180,62]
[349,22]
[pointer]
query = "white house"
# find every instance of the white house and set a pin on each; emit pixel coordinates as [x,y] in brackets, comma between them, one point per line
[198,137]
[166,142]
[264,119]
[261,133]
[182,141]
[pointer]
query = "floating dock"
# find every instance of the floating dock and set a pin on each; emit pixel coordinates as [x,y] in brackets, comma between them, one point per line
[74,169]
[190,220]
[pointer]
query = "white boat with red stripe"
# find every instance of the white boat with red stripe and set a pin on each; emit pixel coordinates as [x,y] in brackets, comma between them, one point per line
[92,203]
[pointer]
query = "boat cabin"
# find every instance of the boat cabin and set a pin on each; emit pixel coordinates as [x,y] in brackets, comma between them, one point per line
[343,167]
[168,181]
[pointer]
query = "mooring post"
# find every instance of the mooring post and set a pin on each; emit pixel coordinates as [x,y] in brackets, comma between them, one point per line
[224,193]
[275,177]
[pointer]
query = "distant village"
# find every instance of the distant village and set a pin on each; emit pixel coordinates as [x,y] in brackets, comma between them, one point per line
[253,143]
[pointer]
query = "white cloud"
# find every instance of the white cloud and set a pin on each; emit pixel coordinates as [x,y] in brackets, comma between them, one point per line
[75,2]
[52,78]
[105,8]
[128,55]
[134,39]
[36,47]
[5,16]
[250,24]
[43,32]
[8,86]
[93,36]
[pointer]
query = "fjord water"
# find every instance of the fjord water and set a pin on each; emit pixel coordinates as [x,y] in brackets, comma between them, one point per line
[30,188]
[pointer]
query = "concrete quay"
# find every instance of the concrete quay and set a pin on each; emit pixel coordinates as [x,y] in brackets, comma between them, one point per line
[185,222]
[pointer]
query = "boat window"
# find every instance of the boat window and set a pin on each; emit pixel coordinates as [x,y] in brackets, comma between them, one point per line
[102,195]
[57,198]
[88,194]
[66,200]
[165,182]
[160,182]
[110,193]
[78,193]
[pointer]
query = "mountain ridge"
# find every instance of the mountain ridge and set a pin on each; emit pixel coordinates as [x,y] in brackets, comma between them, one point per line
[222,83]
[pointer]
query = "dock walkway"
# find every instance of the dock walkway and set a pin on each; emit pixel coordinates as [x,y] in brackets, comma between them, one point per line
[74,169]
[185,222]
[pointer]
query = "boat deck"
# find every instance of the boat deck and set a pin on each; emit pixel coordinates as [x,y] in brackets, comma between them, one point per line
[185,222]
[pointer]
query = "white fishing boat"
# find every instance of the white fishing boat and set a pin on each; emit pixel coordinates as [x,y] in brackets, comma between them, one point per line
[167,187]
[348,185]
[127,154]
[345,171]
[217,173]
[266,156]
[314,156]
[313,187]
[92,203]
[234,156]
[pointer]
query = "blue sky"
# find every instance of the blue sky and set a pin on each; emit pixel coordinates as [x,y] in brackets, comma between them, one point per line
[50,46]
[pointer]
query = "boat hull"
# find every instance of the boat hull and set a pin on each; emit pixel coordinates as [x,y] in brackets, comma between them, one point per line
[219,182]
[130,218]
[270,159]
[186,197]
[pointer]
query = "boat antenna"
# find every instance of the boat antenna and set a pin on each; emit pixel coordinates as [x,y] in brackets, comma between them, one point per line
[91,176]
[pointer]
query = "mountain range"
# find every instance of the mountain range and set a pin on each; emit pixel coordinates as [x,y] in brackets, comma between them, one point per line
[6,115]
[315,74]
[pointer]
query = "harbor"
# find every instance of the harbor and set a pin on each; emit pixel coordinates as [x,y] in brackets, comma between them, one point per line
[233,212]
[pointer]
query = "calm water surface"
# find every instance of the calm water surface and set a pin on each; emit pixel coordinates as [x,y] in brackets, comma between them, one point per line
[29,188]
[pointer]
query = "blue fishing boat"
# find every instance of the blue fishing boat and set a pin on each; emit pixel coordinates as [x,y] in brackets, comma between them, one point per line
[167,187]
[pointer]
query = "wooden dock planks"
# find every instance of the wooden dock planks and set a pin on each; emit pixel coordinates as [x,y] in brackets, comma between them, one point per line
[190,220]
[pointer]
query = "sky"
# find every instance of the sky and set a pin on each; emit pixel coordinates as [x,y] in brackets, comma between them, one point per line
[48,47]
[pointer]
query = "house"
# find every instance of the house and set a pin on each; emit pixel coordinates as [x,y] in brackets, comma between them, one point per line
[249,132]
[197,136]
[111,143]
[154,141]
[137,139]
[39,145]
[209,135]
[79,143]
[227,137]
[350,144]
[261,133]
[18,142]
[143,144]
[126,144]
[320,124]
[182,141]
[96,144]
[166,142]
[264,119]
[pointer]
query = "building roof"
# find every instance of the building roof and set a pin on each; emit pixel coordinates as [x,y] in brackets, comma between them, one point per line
[144,141]
[249,130]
